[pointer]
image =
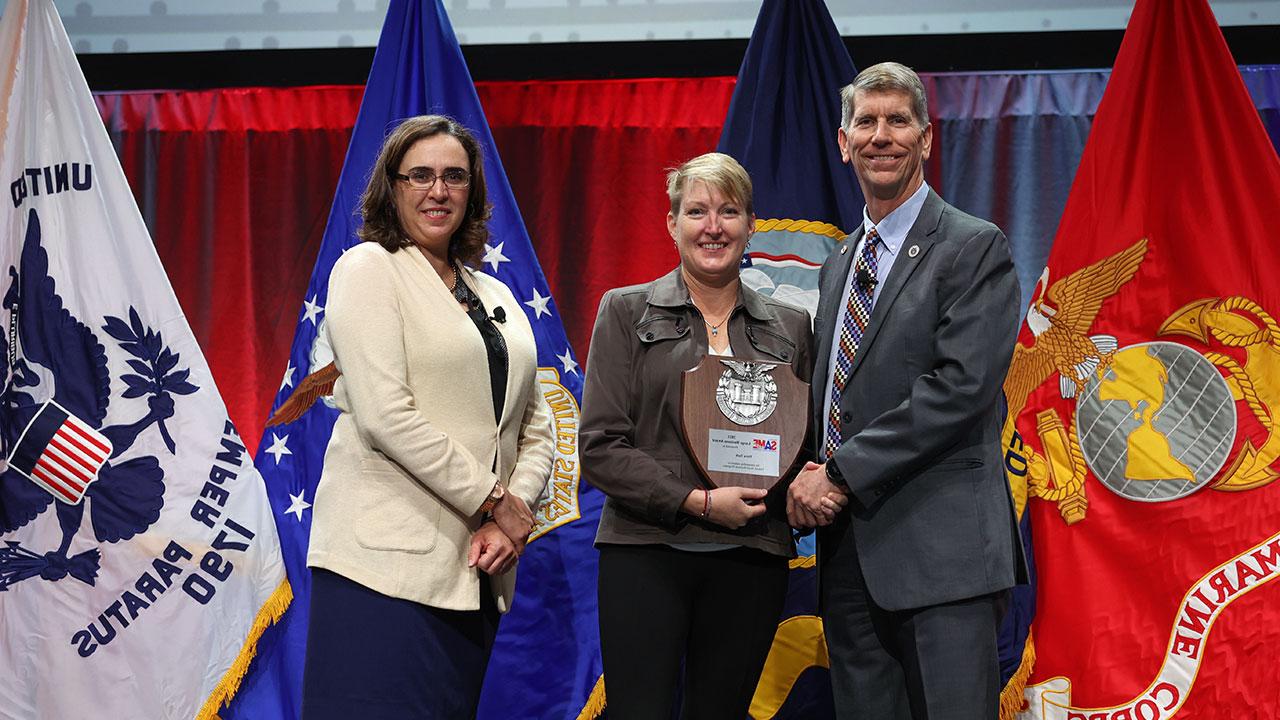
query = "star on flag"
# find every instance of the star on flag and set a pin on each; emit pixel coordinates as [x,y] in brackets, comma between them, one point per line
[279,447]
[297,504]
[313,309]
[539,304]
[567,360]
[493,256]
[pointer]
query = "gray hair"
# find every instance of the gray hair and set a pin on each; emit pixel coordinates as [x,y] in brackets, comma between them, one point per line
[886,77]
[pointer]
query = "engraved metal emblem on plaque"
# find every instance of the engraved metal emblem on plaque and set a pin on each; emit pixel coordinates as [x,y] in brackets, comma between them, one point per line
[752,432]
[747,393]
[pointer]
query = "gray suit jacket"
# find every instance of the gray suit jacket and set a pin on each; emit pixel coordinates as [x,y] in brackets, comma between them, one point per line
[932,518]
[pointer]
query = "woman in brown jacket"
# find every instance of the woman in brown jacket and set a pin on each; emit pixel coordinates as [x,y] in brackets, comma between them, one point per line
[687,572]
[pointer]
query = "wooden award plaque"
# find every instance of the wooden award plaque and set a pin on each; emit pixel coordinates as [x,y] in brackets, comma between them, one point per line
[744,421]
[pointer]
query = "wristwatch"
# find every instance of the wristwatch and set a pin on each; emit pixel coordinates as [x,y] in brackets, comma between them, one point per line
[495,497]
[833,474]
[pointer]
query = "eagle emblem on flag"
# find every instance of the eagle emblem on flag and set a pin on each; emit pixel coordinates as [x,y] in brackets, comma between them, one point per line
[1153,421]
[57,388]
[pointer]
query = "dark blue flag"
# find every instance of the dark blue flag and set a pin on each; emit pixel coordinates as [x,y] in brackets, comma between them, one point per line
[546,659]
[784,115]
[782,127]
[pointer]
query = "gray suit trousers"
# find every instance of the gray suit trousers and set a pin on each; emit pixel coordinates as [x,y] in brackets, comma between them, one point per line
[932,663]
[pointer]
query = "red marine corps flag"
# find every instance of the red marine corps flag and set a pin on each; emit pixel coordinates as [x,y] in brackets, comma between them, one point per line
[1144,398]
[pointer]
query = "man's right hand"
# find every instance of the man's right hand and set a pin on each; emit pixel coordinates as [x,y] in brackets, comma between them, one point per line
[812,501]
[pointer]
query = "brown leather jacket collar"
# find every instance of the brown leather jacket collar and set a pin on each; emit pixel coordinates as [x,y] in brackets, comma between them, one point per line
[669,291]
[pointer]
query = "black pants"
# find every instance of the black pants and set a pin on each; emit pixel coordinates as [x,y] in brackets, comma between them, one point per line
[716,611]
[933,663]
[376,657]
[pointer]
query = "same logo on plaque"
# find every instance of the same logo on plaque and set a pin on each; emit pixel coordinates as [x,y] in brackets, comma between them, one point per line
[744,421]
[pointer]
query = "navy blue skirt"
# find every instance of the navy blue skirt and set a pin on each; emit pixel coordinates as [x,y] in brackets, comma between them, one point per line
[376,657]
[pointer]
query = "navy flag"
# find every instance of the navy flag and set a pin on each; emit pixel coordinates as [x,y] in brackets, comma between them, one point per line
[782,127]
[547,653]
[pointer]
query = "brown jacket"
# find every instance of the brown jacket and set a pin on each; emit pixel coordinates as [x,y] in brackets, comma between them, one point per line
[645,336]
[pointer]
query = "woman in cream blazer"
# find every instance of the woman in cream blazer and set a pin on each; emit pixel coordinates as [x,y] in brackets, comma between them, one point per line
[438,454]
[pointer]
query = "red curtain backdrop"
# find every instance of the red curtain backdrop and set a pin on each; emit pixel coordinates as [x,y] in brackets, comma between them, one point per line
[587,162]
[236,184]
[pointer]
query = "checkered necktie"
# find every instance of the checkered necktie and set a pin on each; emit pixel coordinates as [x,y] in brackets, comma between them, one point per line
[857,314]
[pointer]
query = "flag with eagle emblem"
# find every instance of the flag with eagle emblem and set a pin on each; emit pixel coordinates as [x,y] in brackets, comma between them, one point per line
[138,557]
[1143,437]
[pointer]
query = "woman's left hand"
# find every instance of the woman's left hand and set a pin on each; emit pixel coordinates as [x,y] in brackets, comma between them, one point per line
[491,550]
[515,519]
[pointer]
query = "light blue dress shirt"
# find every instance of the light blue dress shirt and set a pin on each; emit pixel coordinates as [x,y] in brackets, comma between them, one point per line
[893,229]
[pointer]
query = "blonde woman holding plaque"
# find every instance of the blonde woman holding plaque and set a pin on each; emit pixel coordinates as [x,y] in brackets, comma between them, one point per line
[688,573]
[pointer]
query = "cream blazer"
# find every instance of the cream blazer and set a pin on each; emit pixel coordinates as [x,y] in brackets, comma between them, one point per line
[412,454]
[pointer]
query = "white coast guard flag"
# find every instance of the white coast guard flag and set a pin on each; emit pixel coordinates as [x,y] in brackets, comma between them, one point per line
[140,592]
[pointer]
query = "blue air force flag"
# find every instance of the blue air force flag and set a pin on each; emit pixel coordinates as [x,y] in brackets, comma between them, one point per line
[546,659]
[138,559]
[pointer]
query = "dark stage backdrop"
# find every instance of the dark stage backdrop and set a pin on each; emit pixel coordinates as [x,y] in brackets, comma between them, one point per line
[235,186]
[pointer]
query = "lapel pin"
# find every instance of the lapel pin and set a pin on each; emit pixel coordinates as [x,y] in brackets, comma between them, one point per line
[913,251]
[844,248]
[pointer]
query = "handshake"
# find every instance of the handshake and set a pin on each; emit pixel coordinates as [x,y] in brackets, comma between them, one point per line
[812,499]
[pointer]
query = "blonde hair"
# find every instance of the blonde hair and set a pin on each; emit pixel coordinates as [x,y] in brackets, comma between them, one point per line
[718,171]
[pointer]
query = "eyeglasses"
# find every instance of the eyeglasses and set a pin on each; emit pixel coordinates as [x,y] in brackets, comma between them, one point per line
[424,179]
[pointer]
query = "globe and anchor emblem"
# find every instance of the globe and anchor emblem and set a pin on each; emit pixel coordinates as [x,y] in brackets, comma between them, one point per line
[1157,424]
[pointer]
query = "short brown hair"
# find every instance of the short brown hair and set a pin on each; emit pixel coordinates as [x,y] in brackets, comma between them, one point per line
[377,203]
[716,170]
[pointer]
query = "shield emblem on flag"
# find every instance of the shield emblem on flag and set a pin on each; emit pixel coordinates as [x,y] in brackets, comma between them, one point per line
[60,452]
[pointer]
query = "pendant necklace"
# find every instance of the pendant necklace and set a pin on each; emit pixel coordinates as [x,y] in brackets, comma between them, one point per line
[715,329]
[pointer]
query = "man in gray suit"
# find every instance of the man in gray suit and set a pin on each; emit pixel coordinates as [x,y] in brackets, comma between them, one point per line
[915,328]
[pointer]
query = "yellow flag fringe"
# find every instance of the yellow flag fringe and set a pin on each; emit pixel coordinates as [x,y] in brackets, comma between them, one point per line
[595,703]
[271,611]
[1011,698]
[805,226]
